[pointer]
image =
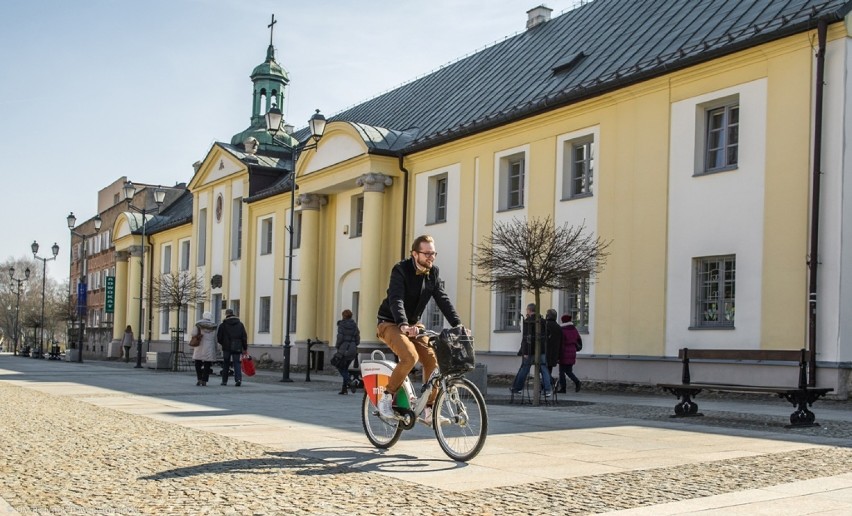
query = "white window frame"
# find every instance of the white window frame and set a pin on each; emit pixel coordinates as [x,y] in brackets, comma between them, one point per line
[294,303]
[201,258]
[436,210]
[356,216]
[264,310]
[512,181]
[236,228]
[717,140]
[166,263]
[297,229]
[578,173]
[185,247]
[266,235]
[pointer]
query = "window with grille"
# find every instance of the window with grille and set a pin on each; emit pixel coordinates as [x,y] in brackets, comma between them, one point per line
[575,301]
[715,291]
[509,310]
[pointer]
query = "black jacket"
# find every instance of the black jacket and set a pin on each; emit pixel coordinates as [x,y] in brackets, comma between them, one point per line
[409,293]
[528,336]
[231,335]
[553,341]
[348,338]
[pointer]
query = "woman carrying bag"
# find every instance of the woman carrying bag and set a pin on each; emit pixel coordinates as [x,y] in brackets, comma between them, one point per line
[205,353]
[348,339]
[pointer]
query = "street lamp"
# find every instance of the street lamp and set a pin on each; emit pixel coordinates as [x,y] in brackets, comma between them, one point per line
[18,300]
[82,298]
[55,250]
[159,197]
[273,126]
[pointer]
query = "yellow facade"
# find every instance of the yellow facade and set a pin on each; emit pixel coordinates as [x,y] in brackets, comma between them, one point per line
[632,194]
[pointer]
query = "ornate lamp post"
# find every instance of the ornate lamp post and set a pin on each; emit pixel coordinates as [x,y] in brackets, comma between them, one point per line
[82,297]
[159,197]
[55,250]
[273,126]
[18,300]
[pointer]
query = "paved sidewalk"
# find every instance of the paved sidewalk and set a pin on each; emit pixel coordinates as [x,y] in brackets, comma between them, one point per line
[103,437]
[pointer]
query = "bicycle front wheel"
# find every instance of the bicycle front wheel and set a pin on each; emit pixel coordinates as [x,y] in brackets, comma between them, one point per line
[383,433]
[460,420]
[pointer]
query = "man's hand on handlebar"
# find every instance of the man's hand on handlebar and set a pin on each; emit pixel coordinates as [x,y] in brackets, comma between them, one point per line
[411,331]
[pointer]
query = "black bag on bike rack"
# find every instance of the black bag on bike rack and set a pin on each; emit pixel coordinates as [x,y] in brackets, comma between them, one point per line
[454,351]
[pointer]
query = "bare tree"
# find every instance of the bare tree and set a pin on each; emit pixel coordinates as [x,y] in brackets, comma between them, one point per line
[175,290]
[534,256]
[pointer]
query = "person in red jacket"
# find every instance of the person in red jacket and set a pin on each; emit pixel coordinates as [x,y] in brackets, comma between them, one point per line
[571,343]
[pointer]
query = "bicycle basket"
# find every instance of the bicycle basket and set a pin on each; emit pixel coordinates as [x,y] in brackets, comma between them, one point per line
[454,351]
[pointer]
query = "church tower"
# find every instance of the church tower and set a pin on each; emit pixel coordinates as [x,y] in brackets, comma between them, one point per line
[269,79]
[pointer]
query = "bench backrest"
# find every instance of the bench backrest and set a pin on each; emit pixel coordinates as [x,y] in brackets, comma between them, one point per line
[779,355]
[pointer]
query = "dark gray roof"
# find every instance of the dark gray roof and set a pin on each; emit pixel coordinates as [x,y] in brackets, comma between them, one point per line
[593,49]
[176,214]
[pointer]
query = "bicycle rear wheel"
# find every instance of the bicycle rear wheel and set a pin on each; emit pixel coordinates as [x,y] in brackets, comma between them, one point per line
[460,420]
[383,433]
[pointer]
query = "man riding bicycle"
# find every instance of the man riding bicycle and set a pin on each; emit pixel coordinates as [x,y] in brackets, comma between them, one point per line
[413,282]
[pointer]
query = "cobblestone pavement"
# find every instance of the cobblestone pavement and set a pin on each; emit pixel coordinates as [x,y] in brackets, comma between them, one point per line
[66,456]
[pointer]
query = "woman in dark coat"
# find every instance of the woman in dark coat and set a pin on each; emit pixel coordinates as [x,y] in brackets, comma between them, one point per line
[348,339]
[571,343]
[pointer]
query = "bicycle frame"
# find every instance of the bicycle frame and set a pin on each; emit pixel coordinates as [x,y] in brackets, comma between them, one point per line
[375,374]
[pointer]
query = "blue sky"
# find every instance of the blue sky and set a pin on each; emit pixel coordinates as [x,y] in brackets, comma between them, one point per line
[91,90]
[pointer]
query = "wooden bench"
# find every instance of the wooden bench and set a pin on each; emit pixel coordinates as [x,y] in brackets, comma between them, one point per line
[800,396]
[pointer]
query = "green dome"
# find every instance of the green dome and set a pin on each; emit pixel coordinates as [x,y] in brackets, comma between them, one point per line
[270,68]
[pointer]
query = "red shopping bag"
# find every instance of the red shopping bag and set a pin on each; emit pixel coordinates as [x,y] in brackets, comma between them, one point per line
[247,365]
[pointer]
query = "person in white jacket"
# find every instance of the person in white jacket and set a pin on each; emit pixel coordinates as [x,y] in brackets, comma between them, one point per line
[205,353]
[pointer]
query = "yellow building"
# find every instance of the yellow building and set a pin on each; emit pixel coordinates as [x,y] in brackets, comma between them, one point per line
[689,142]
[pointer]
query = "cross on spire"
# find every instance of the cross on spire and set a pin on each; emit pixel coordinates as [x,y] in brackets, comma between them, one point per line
[271,28]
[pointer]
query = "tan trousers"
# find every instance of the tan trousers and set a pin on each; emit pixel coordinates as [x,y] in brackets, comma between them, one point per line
[409,350]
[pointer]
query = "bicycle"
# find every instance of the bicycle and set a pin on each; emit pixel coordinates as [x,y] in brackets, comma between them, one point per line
[459,416]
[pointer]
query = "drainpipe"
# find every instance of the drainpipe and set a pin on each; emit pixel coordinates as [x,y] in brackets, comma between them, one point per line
[813,259]
[404,170]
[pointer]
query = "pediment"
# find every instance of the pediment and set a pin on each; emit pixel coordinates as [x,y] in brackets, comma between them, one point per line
[340,143]
[217,165]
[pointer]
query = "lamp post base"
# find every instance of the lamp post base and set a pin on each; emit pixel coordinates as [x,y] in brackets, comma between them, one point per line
[286,378]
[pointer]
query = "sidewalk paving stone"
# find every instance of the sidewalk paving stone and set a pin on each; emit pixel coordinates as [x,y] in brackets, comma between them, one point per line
[103,436]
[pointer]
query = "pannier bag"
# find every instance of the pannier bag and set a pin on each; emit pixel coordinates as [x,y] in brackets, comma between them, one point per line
[454,351]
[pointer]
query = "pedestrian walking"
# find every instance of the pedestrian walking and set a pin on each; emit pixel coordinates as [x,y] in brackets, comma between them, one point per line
[348,339]
[205,353]
[231,335]
[571,343]
[527,350]
[552,340]
[126,342]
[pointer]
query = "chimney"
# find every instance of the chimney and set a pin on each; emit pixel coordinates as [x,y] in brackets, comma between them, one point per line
[538,15]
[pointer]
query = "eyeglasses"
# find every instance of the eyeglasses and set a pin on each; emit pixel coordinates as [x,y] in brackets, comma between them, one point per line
[427,253]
